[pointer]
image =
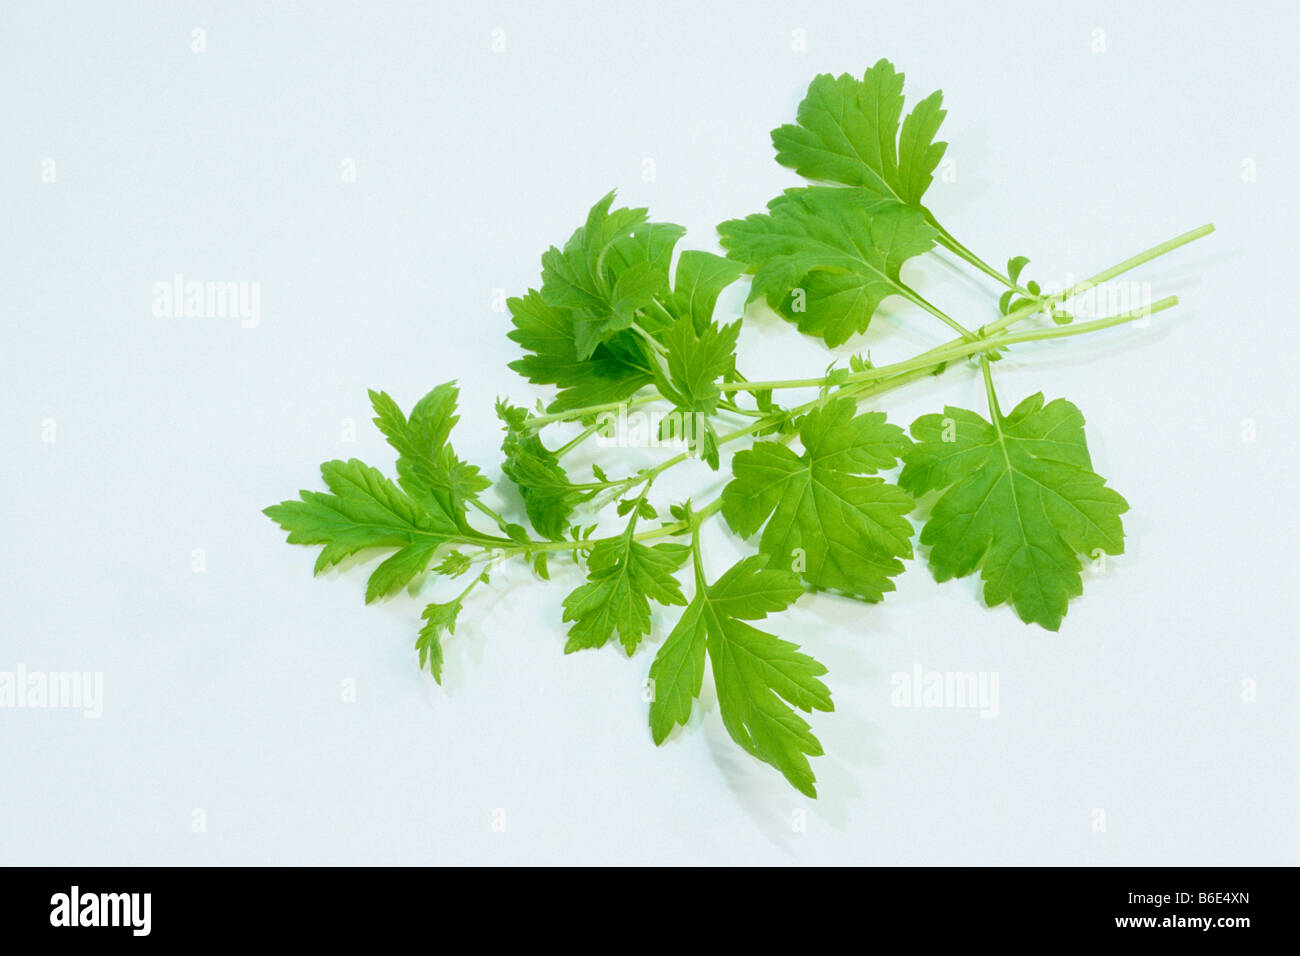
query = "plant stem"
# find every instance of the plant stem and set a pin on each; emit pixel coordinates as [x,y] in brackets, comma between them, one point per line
[994,410]
[1082,328]
[944,317]
[1133,262]
[668,530]
[577,440]
[651,342]
[500,521]
[985,331]
[859,386]
[981,341]
[949,242]
[537,421]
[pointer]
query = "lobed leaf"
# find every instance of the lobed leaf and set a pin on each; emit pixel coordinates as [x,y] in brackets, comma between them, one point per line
[1020,503]
[821,514]
[825,258]
[847,132]
[623,576]
[759,678]
[549,497]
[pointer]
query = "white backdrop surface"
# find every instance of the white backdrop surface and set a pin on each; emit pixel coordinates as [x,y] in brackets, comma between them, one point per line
[480,133]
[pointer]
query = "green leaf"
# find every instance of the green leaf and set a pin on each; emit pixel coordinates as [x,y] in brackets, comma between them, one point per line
[847,131]
[612,372]
[549,497]
[400,569]
[820,515]
[695,363]
[439,619]
[428,469]
[363,510]
[611,268]
[622,577]
[825,258]
[454,564]
[1021,503]
[755,673]
[1015,266]
[700,279]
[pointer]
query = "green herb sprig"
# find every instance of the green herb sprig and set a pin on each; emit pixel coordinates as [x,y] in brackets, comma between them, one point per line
[621,321]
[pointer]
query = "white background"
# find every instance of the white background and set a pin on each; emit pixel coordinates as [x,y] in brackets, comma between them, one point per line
[223,689]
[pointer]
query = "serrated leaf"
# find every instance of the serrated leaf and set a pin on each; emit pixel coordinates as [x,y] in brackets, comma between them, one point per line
[399,569]
[1020,503]
[549,497]
[439,619]
[611,267]
[847,131]
[428,469]
[615,370]
[700,279]
[453,565]
[695,364]
[825,258]
[572,277]
[696,361]
[758,676]
[623,576]
[363,510]
[820,513]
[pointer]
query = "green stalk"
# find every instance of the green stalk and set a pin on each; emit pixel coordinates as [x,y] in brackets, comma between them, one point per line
[950,242]
[859,386]
[537,421]
[920,301]
[982,341]
[1133,262]
[985,331]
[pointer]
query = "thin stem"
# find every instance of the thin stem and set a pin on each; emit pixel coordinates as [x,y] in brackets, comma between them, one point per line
[859,387]
[1134,261]
[1082,328]
[951,243]
[649,340]
[478,579]
[500,521]
[986,331]
[577,440]
[938,313]
[1105,275]
[989,390]
[663,312]
[537,421]
[958,349]
[666,531]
